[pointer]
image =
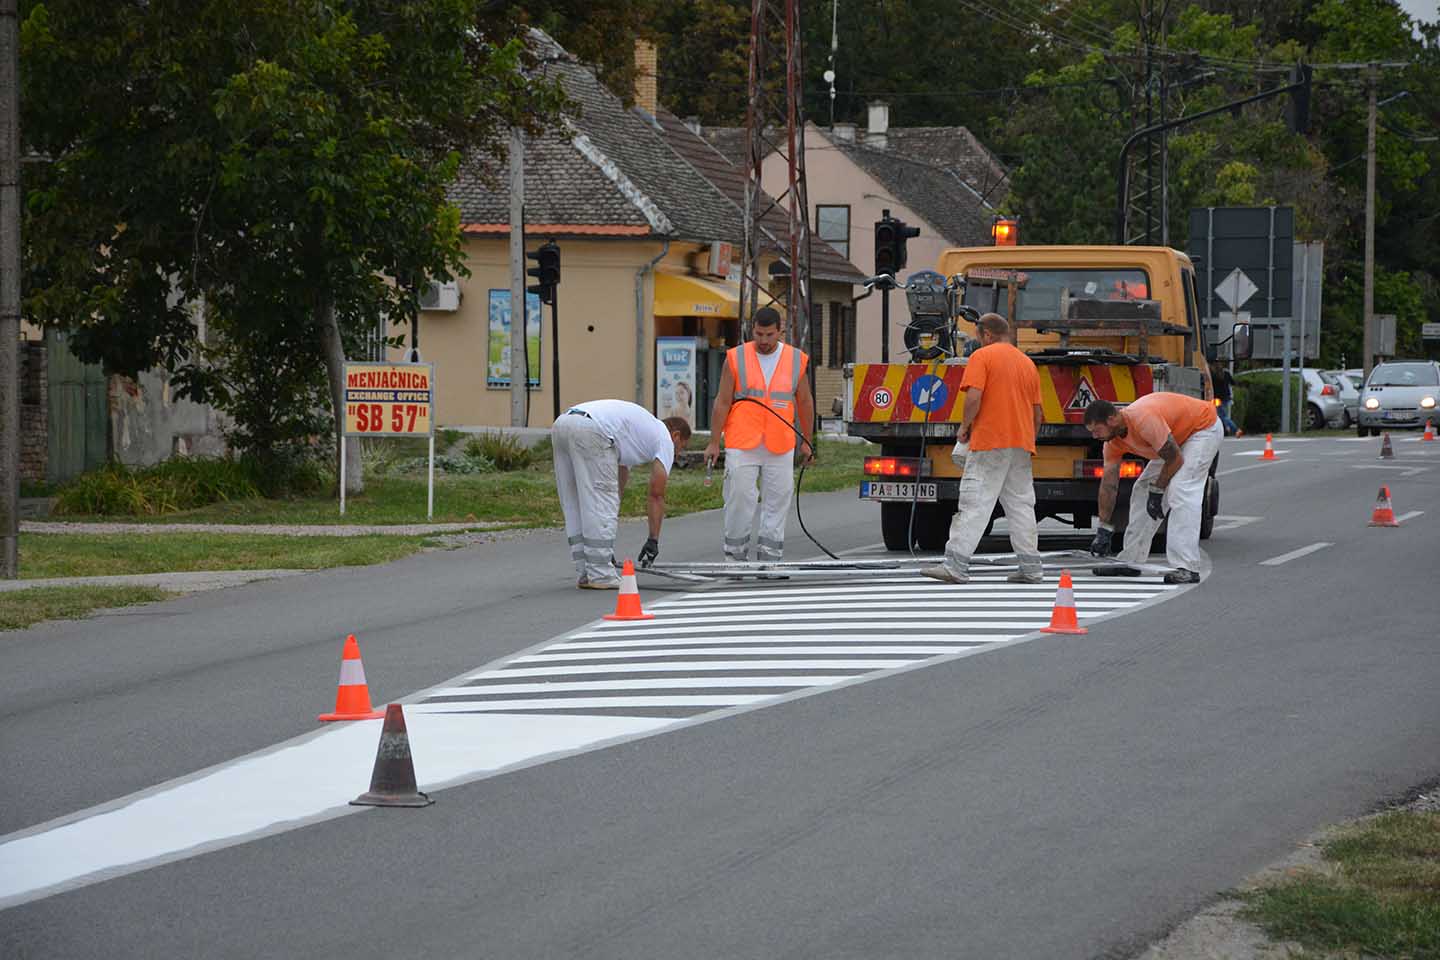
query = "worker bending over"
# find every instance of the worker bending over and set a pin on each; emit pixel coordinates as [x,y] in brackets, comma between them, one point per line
[595,444]
[760,436]
[1180,437]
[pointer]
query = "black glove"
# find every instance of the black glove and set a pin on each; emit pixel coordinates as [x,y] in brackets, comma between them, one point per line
[1155,504]
[649,552]
[1102,545]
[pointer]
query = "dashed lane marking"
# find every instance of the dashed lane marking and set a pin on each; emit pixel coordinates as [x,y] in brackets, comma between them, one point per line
[1295,554]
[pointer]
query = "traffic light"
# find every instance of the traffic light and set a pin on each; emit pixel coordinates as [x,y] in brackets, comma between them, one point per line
[890,238]
[1297,111]
[546,271]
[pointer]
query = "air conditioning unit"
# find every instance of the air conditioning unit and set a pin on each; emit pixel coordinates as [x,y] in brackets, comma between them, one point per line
[440,296]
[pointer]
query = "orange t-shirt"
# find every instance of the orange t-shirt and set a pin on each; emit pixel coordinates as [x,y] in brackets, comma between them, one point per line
[1011,386]
[1156,417]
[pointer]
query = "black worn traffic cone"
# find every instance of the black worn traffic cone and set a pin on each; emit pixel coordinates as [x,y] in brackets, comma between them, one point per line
[392,784]
[1386,453]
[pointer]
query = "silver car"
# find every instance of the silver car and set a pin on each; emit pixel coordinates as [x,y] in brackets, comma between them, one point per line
[1400,395]
[1350,385]
[1323,406]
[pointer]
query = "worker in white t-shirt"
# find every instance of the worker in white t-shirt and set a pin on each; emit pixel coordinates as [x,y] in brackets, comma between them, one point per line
[595,444]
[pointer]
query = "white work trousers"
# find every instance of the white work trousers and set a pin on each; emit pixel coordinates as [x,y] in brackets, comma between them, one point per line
[587,476]
[771,481]
[1184,498]
[992,475]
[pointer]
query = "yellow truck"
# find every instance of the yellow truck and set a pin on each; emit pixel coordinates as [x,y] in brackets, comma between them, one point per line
[1106,322]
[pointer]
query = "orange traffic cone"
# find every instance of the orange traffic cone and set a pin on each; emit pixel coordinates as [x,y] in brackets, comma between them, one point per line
[1063,619]
[1383,514]
[392,781]
[1429,432]
[1386,451]
[1269,453]
[352,700]
[627,605]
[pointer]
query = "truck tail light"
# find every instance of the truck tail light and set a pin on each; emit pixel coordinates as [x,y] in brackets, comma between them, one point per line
[1095,469]
[896,467]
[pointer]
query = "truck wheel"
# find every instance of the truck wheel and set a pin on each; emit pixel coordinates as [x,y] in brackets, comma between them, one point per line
[932,524]
[1362,430]
[895,524]
[1209,508]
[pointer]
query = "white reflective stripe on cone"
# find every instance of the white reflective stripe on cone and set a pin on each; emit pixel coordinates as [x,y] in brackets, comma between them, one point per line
[1065,597]
[352,673]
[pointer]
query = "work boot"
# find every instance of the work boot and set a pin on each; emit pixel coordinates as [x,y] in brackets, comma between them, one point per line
[599,584]
[1182,576]
[944,573]
[1020,576]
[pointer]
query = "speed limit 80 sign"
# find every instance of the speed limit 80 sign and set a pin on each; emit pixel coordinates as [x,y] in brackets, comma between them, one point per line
[389,399]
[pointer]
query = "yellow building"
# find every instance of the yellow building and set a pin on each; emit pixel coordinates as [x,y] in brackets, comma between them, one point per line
[649,220]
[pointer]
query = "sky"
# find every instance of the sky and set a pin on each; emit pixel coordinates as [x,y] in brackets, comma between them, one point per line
[1421,9]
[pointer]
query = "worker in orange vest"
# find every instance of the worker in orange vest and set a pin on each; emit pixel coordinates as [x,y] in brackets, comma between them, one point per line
[760,441]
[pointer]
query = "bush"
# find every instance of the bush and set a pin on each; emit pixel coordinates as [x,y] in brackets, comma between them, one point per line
[445,463]
[183,483]
[504,451]
[1257,401]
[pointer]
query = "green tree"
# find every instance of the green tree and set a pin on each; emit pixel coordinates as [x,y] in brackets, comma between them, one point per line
[284,164]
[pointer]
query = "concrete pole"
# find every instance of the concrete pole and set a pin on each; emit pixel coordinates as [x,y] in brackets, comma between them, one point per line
[9,289]
[518,386]
[1368,359]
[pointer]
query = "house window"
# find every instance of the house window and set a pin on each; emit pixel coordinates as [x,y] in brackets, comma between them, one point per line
[816,346]
[832,224]
[842,335]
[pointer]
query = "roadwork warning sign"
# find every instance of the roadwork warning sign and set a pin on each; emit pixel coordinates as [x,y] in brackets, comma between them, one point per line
[389,399]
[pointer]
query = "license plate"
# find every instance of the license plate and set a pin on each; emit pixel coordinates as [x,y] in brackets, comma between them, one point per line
[896,490]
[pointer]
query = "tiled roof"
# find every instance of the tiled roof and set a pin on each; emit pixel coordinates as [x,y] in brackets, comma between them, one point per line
[612,166]
[826,263]
[942,173]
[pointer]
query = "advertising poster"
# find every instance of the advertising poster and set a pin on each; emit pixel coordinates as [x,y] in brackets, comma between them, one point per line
[497,370]
[675,378]
[389,399]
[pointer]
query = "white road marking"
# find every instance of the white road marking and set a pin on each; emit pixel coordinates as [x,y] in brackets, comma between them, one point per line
[1403,471]
[1409,516]
[702,658]
[1229,470]
[1224,522]
[1295,554]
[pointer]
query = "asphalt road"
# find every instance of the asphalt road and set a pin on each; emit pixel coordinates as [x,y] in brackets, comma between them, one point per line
[1063,797]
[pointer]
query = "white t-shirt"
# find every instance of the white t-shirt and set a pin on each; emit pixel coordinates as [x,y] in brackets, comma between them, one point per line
[639,437]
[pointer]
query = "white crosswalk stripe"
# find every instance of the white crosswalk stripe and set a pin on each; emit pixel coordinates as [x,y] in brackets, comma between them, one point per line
[742,645]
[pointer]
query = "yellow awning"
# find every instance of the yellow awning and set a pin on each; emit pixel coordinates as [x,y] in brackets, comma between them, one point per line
[679,295]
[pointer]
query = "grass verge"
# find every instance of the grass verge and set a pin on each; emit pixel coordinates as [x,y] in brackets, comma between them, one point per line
[73,555]
[521,497]
[23,608]
[1379,896]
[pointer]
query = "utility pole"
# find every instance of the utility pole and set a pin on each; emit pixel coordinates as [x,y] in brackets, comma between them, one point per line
[518,384]
[1368,359]
[9,289]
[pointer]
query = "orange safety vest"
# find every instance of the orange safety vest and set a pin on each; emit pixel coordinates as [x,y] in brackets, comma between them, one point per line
[747,425]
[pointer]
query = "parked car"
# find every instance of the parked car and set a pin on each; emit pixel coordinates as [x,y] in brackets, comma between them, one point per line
[1323,406]
[1350,383]
[1400,395]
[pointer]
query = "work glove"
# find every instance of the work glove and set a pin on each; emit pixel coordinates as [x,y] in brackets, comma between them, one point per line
[1155,504]
[649,552]
[1103,545]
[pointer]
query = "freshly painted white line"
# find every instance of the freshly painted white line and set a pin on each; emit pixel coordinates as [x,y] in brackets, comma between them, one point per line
[1229,470]
[875,628]
[675,700]
[760,645]
[300,781]
[1099,585]
[841,656]
[1409,516]
[881,607]
[1402,470]
[650,683]
[1295,554]
[998,600]
[859,667]
[798,620]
